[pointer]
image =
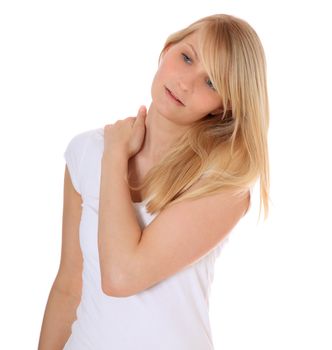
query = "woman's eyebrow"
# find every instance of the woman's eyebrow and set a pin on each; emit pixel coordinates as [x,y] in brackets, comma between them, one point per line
[195,53]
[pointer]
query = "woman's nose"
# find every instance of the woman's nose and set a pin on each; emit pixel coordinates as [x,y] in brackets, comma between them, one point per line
[182,86]
[188,80]
[185,83]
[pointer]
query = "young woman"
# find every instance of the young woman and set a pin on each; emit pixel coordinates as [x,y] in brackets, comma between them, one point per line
[149,201]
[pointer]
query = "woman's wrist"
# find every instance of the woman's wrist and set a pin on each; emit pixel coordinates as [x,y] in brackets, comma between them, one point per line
[116,155]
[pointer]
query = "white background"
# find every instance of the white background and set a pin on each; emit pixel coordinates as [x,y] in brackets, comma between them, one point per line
[69,66]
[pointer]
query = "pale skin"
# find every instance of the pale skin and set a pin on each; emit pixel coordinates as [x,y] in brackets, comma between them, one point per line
[131,259]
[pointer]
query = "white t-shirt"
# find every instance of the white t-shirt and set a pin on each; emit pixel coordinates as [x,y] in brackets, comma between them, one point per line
[171,315]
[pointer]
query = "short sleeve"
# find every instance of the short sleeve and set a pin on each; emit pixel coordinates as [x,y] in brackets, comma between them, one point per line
[74,155]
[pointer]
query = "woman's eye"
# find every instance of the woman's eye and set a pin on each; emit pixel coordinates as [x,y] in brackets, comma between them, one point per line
[209,82]
[186,58]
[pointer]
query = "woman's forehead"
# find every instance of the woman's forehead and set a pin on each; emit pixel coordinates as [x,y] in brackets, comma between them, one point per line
[196,39]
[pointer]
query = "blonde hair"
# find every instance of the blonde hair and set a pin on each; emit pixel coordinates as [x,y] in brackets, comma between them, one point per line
[230,150]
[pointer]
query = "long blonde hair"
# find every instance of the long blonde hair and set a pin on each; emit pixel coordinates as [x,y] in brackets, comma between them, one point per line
[230,150]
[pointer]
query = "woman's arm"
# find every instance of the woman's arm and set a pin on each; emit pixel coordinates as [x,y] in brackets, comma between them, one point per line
[59,315]
[66,291]
[131,260]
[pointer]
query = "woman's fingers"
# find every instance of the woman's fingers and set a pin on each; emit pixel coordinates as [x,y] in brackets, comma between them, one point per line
[141,114]
[141,111]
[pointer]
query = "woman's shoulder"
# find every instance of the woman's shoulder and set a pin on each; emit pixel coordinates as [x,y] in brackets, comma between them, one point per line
[80,142]
[84,138]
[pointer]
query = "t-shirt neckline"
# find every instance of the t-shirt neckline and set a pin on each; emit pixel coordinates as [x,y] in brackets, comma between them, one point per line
[139,203]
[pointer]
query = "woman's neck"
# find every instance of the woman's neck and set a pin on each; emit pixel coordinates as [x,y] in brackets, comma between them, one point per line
[160,134]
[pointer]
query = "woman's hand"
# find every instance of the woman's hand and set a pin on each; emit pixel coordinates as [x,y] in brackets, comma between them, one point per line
[126,136]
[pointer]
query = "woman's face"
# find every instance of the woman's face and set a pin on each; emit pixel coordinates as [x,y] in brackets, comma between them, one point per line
[182,75]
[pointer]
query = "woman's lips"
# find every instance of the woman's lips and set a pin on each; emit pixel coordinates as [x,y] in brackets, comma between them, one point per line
[170,94]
